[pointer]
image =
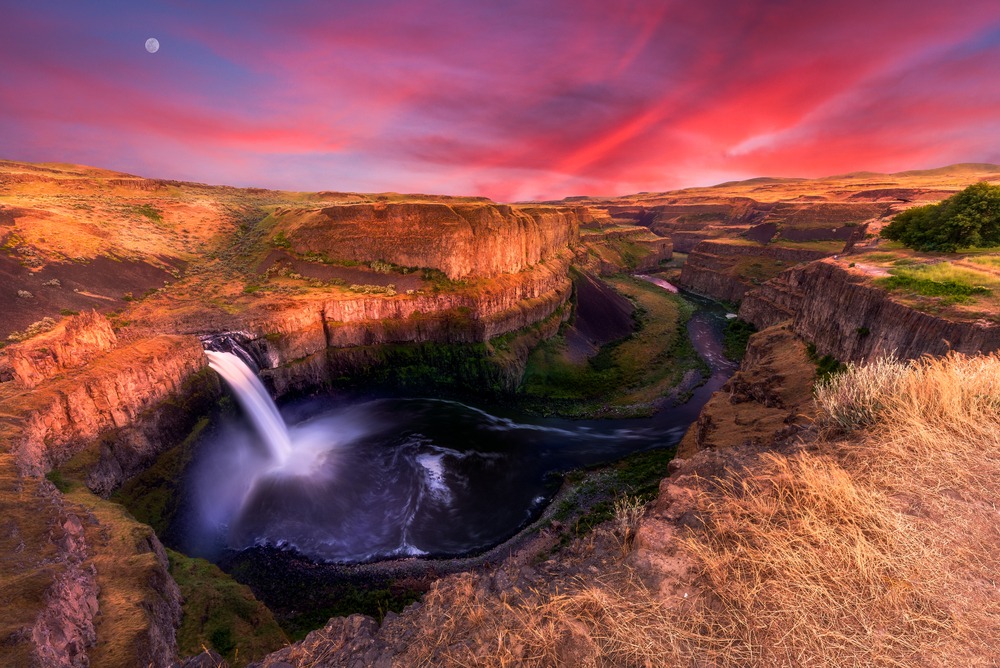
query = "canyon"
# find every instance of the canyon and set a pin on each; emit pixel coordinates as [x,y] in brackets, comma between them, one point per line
[324,289]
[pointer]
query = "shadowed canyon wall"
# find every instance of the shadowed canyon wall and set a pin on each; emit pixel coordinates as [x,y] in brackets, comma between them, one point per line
[835,308]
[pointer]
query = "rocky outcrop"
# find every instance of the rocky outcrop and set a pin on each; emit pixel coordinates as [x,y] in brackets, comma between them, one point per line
[725,271]
[48,591]
[617,249]
[472,239]
[139,603]
[769,396]
[68,345]
[81,584]
[352,636]
[837,309]
[47,426]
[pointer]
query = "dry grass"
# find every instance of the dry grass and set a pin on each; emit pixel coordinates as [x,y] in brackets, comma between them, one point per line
[873,547]
[857,399]
[627,514]
[803,566]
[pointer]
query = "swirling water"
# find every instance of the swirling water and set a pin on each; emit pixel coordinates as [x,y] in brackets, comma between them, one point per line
[374,479]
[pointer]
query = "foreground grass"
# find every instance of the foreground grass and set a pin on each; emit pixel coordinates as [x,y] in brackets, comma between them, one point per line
[875,546]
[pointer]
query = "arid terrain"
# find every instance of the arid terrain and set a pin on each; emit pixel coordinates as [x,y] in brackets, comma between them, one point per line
[807,519]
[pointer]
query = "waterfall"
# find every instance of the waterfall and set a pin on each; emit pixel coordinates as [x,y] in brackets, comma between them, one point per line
[252,395]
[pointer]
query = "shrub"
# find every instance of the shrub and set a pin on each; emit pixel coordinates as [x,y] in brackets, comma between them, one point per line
[736,337]
[968,219]
[855,399]
[280,240]
[35,328]
[628,511]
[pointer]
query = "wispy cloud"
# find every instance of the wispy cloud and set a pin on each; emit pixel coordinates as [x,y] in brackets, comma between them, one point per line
[512,100]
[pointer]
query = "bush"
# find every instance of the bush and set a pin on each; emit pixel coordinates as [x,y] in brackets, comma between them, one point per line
[736,337]
[35,328]
[855,399]
[281,240]
[969,219]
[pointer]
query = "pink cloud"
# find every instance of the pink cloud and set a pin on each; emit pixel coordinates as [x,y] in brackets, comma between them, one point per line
[522,99]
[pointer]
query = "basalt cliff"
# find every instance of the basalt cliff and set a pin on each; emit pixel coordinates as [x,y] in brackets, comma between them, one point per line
[111,285]
[103,367]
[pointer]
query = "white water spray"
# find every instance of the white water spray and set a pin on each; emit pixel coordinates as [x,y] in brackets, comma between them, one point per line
[252,395]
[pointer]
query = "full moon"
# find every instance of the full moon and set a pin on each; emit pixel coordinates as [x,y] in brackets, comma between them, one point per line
[152,45]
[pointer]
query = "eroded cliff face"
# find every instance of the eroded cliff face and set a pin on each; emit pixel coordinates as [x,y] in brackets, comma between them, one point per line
[70,344]
[82,583]
[461,239]
[769,397]
[834,307]
[47,426]
[606,251]
[725,271]
[308,342]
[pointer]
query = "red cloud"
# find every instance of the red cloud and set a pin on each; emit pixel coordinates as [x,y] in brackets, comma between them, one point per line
[524,99]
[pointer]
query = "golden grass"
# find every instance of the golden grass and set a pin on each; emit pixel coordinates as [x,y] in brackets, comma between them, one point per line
[874,546]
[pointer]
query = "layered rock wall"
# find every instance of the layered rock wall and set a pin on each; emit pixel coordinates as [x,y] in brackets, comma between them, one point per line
[479,313]
[461,239]
[833,307]
[726,271]
[47,426]
[68,345]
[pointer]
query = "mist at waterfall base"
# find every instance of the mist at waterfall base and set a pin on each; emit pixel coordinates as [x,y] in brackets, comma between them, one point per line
[364,480]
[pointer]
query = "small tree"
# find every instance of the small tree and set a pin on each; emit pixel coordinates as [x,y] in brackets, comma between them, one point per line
[968,219]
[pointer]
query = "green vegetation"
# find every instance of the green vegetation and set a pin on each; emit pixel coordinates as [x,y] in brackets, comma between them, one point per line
[147,210]
[827,366]
[487,369]
[280,240]
[825,245]
[593,493]
[968,219]
[878,257]
[931,288]
[368,289]
[736,337]
[631,253]
[221,614]
[942,279]
[151,496]
[986,260]
[625,377]
[56,477]
[34,329]
[307,597]
[758,269]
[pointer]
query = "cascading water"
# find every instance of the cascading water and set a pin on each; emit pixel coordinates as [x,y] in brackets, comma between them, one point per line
[252,395]
[351,481]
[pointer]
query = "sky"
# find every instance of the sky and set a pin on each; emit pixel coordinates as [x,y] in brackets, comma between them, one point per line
[511,99]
